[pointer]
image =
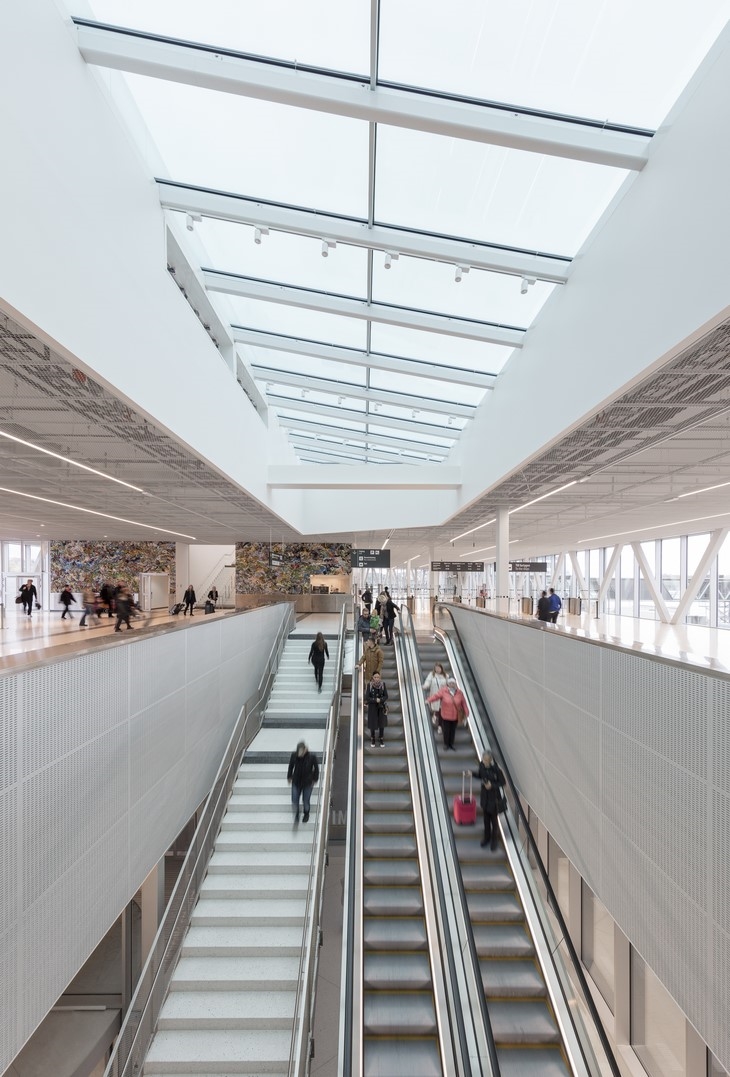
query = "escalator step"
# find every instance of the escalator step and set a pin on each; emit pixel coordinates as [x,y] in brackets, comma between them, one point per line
[386,845]
[391,872]
[533,1062]
[488,876]
[386,782]
[375,800]
[516,1022]
[399,1013]
[502,940]
[388,822]
[399,1057]
[392,901]
[496,907]
[381,762]
[508,979]
[381,933]
[406,971]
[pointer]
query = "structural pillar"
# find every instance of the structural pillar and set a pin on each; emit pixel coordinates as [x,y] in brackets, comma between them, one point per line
[502,558]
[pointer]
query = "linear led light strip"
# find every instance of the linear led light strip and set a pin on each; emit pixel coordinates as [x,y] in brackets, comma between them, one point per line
[483,549]
[519,509]
[94,512]
[691,493]
[67,460]
[656,527]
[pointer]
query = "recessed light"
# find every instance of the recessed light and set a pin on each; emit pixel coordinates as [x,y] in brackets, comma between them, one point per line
[68,460]
[95,512]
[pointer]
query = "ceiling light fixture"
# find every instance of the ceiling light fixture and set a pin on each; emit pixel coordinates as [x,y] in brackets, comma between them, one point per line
[542,497]
[94,512]
[459,272]
[483,549]
[385,543]
[327,246]
[258,233]
[656,527]
[703,490]
[390,257]
[191,219]
[68,460]
[473,529]
[526,282]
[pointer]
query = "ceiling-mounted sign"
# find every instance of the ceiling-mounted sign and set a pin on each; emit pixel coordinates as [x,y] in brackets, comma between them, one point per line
[370,559]
[276,560]
[457,566]
[528,566]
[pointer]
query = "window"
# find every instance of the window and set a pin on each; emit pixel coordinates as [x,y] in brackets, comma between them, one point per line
[13,557]
[657,1023]
[723,585]
[597,944]
[699,611]
[671,575]
[628,579]
[559,874]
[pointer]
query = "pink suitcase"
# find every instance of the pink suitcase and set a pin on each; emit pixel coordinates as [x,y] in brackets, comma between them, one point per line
[465,807]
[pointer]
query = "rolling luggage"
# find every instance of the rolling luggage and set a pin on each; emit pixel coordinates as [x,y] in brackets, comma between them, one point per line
[209,607]
[176,608]
[465,807]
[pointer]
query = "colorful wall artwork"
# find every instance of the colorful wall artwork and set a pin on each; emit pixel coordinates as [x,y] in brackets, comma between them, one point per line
[298,561]
[77,563]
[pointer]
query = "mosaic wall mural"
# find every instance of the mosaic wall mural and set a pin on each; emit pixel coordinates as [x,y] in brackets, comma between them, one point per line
[299,561]
[76,563]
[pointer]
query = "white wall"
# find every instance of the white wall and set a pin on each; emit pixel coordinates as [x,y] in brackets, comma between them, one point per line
[626,760]
[103,759]
[207,560]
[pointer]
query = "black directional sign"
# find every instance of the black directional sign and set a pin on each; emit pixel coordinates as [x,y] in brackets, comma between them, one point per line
[457,566]
[528,566]
[370,559]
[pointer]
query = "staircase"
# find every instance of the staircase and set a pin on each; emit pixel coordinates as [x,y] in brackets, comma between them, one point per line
[230,1008]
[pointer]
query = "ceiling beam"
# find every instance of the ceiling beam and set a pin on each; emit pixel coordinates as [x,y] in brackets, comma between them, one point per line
[308,427]
[237,73]
[399,477]
[285,403]
[393,364]
[303,444]
[349,307]
[362,392]
[308,222]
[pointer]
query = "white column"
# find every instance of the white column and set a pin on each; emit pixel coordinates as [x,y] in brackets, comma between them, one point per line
[152,905]
[502,558]
[182,568]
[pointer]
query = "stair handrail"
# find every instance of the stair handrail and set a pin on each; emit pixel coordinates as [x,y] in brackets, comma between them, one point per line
[302,1041]
[536,857]
[140,1021]
[435,794]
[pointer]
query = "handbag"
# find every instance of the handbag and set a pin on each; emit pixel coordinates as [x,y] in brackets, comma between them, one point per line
[460,716]
[501,802]
[18,600]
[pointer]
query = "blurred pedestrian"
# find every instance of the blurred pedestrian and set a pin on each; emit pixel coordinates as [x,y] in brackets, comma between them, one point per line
[213,596]
[317,653]
[106,594]
[376,698]
[28,595]
[66,598]
[88,599]
[189,599]
[303,772]
[556,605]
[124,608]
[543,607]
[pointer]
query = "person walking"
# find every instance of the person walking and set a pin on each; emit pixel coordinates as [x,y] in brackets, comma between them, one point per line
[317,653]
[543,607]
[372,658]
[106,594]
[303,772]
[66,598]
[492,779]
[88,599]
[367,599]
[389,610]
[453,710]
[123,607]
[189,599]
[213,596]
[555,605]
[28,595]
[435,681]
[376,698]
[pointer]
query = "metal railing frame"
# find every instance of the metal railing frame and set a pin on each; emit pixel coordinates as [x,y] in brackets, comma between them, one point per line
[140,1021]
[576,968]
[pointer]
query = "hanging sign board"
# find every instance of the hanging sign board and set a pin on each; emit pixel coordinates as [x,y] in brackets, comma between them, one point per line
[276,560]
[370,558]
[528,566]
[457,566]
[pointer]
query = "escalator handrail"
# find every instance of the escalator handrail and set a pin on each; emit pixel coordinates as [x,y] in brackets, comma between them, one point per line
[451,840]
[575,961]
[300,1049]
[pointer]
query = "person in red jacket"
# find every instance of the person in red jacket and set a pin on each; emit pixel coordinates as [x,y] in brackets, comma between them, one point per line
[453,707]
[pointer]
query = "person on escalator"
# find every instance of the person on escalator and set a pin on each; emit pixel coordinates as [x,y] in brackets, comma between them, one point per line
[372,658]
[492,779]
[454,710]
[376,698]
[363,627]
[435,681]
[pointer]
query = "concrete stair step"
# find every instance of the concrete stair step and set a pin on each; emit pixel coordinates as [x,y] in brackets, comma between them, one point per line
[221,941]
[244,911]
[228,1009]
[291,840]
[262,801]
[276,861]
[241,973]
[227,1051]
[244,822]
[273,887]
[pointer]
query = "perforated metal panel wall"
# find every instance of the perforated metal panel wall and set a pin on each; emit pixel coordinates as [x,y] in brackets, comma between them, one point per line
[626,759]
[103,758]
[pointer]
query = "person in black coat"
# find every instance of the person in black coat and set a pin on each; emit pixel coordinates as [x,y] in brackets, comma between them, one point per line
[303,772]
[544,613]
[317,654]
[28,595]
[66,598]
[367,599]
[376,698]
[492,780]
[189,598]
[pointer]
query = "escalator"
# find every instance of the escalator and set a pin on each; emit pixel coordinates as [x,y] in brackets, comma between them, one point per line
[524,1026]
[400,1033]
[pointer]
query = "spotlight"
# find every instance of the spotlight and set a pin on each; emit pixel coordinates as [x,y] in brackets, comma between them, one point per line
[460,271]
[451,421]
[340,400]
[190,219]
[414,413]
[391,256]
[258,233]
[327,246]
[527,282]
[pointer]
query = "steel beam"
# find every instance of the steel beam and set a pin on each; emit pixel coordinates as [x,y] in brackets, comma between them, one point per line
[349,307]
[393,364]
[361,392]
[308,445]
[237,73]
[305,426]
[362,418]
[308,222]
